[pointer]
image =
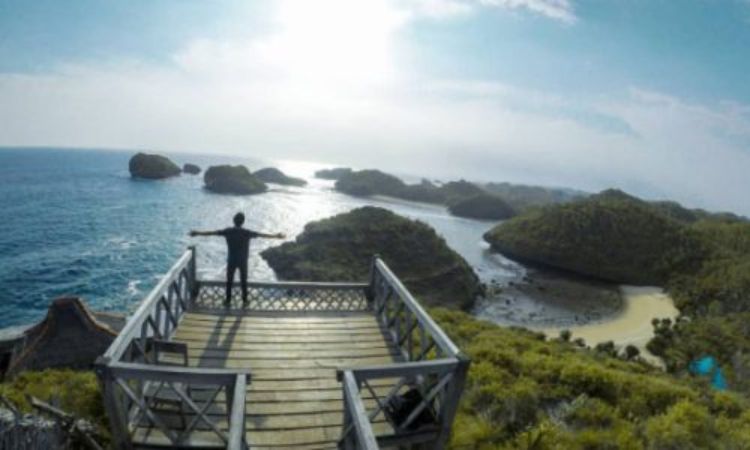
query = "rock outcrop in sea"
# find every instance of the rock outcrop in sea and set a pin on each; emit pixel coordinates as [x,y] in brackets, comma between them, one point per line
[341,248]
[152,167]
[365,183]
[237,180]
[276,176]
[332,174]
[191,169]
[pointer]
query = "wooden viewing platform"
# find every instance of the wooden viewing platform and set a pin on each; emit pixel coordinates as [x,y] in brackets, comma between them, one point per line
[301,366]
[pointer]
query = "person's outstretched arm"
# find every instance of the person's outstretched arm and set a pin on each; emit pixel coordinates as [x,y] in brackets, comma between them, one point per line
[194,233]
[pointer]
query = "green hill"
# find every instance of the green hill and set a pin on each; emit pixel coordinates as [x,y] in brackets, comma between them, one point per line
[524,392]
[522,197]
[703,259]
[610,236]
[340,248]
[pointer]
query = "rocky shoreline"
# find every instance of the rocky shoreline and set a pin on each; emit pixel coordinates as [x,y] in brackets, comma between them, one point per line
[549,298]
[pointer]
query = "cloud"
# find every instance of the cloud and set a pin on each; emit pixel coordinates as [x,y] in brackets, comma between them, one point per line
[298,94]
[561,10]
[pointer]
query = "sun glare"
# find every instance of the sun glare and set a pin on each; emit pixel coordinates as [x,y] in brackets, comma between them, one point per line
[338,41]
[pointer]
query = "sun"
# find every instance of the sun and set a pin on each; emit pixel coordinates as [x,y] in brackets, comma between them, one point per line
[339,41]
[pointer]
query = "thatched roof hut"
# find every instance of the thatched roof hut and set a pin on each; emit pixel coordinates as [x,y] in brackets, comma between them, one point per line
[69,337]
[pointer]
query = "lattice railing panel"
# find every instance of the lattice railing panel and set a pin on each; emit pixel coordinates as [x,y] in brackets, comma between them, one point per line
[190,408]
[413,404]
[288,297]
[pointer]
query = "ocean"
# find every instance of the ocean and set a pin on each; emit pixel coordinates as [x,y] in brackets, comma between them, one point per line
[75,223]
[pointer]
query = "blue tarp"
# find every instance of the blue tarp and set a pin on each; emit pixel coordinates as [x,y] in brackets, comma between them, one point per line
[708,367]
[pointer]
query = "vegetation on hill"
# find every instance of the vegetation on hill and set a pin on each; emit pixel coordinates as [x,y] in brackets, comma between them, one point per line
[703,259]
[686,215]
[482,206]
[524,392]
[227,179]
[457,190]
[340,248]
[606,236]
[274,175]
[153,167]
[76,392]
[721,284]
[522,197]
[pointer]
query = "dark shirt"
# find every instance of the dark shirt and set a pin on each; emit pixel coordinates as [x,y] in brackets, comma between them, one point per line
[238,244]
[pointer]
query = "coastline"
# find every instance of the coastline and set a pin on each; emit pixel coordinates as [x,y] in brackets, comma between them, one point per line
[632,325]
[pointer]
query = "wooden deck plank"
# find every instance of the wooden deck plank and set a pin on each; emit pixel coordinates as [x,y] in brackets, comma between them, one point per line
[239,331]
[194,346]
[293,399]
[289,328]
[285,317]
[320,435]
[284,364]
[279,422]
[291,354]
[277,339]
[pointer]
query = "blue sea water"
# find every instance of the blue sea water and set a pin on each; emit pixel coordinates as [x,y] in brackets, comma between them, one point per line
[75,223]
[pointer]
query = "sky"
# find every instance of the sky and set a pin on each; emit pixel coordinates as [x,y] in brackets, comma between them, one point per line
[650,96]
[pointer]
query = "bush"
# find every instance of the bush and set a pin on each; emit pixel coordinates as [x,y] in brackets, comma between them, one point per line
[76,392]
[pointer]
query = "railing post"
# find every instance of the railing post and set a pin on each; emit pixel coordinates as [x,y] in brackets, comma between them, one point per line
[452,397]
[114,408]
[370,291]
[193,283]
[236,398]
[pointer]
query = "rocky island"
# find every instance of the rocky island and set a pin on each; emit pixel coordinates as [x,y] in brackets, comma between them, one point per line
[482,206]
[236,180]
[341,248]
[366,183]
[275,176]
[332,174]
[191,169]
[522,197]
[608,236]
[152,167]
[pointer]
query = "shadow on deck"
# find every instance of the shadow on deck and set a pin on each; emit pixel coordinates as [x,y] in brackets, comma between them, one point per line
[300,366]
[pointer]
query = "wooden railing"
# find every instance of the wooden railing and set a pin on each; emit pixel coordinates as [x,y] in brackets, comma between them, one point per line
[141,395]
[423,387]
[426,386]
[175,406]
[158,314]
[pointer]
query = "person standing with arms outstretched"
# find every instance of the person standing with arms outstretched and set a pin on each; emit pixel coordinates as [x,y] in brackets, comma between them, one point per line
[238,251]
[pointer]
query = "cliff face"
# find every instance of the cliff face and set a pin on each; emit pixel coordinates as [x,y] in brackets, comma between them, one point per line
[232,180]
[152,167]
[341,248]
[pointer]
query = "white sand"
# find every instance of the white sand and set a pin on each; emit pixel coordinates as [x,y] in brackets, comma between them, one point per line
[632,326]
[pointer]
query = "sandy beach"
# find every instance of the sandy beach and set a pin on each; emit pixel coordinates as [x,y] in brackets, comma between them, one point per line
[632,325]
